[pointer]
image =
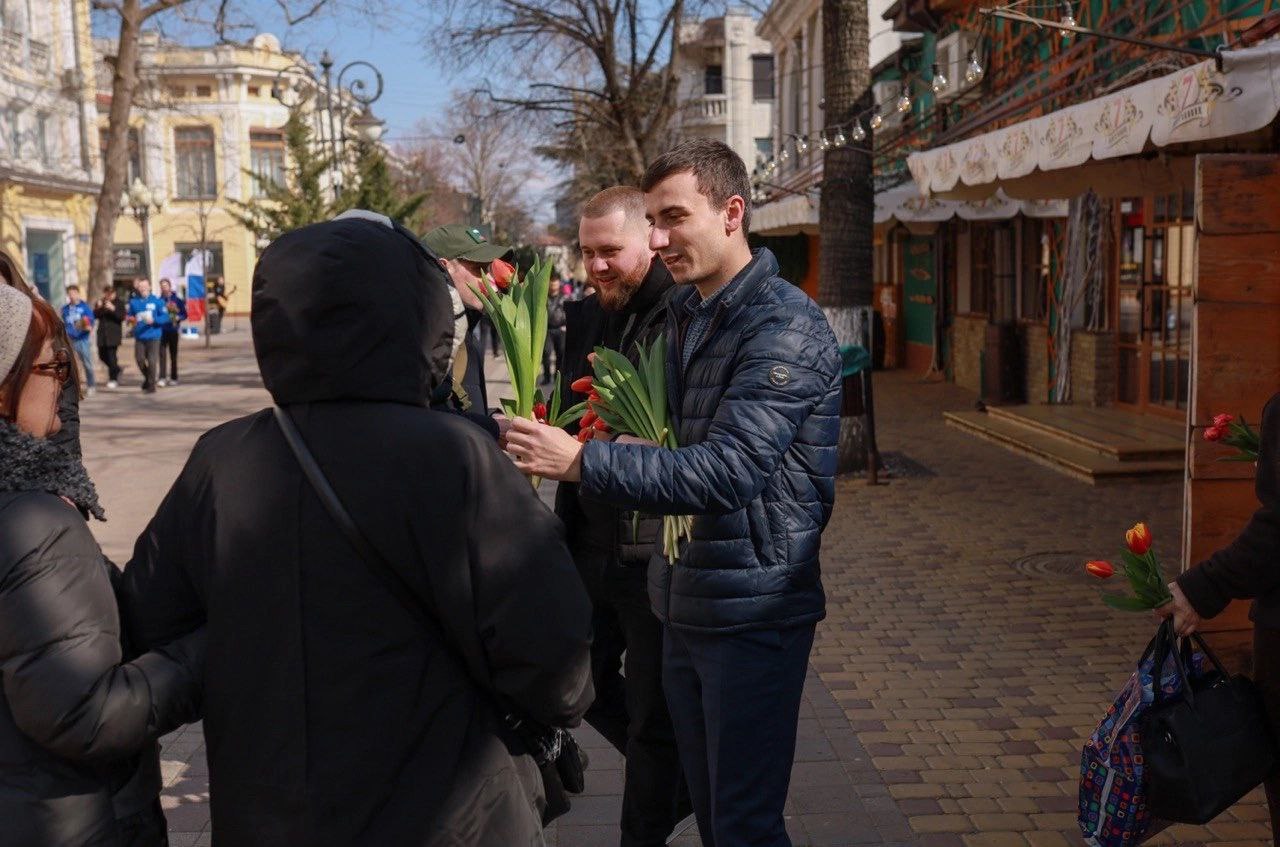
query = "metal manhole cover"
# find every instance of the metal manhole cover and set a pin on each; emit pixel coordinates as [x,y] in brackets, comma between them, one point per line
[898,465]
[1053,563]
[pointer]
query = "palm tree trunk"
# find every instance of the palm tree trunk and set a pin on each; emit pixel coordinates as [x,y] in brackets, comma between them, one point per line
[847,206]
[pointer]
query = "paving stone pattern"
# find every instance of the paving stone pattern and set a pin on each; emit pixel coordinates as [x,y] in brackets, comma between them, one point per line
[949,691]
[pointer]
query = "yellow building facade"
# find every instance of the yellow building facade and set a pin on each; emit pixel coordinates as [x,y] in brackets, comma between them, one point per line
[49,164]
[204,117]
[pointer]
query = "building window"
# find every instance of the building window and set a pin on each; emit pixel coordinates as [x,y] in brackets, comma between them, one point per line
[254,91]
[1037,269]
[204,91]
[266,158]
[194,154]
[762,77]
[713,80]
[15,132]
[43,144]
[177,92]
[764,150]
[133,157]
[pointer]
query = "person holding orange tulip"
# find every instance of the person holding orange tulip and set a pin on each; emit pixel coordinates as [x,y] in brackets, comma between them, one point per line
[1246,569]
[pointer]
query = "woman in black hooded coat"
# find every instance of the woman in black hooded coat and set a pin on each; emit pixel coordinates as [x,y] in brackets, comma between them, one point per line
[332,716]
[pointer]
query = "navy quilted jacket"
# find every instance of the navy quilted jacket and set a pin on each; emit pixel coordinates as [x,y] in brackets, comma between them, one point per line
[757,413]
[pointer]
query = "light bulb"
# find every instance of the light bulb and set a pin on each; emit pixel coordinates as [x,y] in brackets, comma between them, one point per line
[785,154]
[858,133]
[1068,18]
[876,121]
[824,142]
[839,140]
[973,72]
[802,146]
[940,81]
[904,103]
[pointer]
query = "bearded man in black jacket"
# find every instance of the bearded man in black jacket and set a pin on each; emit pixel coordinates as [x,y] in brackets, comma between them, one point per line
[612,553]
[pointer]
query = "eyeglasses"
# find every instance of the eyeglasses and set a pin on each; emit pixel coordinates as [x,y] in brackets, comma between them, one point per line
[59,368]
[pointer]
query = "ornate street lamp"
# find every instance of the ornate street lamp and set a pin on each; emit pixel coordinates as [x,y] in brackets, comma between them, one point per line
[140,202]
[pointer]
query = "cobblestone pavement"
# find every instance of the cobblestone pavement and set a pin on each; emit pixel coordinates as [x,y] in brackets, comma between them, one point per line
[951,685]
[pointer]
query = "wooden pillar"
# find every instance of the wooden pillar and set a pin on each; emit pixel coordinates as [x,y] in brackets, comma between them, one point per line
[1236,348]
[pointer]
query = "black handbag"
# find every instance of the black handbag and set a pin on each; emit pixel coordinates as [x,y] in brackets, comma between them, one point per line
[1206,746]
[560,761]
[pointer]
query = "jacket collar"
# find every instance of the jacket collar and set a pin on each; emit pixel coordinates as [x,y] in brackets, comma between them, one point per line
[655,284]
[762,267]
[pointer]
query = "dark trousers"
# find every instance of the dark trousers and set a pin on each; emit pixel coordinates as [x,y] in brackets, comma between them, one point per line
[1266,675]
[735,703]
[630,710]
[147,355]
[109,356]
[169,350]
[555,344]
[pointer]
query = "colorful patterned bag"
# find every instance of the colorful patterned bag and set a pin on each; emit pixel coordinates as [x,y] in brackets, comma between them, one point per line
[1113,808]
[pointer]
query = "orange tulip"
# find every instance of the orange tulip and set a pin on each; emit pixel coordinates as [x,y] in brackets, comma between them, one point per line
[1138,538]
[502,273]
[1100,569]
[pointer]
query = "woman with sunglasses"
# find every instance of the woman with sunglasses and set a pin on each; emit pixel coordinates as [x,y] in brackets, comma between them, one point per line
[79,763]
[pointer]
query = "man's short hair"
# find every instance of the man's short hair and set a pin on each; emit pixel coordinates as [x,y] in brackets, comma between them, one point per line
[718,170]
[628,198]
[73,287]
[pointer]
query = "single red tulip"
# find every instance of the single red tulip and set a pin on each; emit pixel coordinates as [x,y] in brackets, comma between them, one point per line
[540,411]
[591,357]
[502,273]
[588,419]
[594,396]
[582,385]
[1223,421]
[1100,569]
[584,434]
[600,426]
[1138,538]
[1214,433]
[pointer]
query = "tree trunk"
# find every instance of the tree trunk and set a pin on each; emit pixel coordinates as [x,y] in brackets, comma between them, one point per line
[845,216]
[115,168]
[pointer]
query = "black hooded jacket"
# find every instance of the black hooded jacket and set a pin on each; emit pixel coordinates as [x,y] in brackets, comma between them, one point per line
[331,717]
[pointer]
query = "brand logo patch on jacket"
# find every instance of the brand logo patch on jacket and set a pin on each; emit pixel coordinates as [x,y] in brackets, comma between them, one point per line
[779,375]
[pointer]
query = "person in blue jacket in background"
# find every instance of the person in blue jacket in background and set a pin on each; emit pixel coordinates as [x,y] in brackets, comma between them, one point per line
[78,319]
[148,314]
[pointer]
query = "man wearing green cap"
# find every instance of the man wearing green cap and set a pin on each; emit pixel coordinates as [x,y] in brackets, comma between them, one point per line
[466,254]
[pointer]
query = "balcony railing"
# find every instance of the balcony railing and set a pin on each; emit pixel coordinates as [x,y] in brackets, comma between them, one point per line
[709,109]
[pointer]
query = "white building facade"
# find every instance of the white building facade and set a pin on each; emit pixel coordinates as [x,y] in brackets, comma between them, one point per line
[727,84]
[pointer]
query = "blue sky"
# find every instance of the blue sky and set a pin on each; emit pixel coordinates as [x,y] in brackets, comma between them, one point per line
[416,83]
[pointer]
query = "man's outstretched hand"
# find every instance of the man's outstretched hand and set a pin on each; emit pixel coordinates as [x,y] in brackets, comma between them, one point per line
[545,451]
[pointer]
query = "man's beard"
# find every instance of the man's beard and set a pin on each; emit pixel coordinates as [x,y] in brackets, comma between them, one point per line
[616,296]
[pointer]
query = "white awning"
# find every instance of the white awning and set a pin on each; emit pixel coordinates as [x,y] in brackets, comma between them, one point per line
[790,215]
[1198,103]
[905,204]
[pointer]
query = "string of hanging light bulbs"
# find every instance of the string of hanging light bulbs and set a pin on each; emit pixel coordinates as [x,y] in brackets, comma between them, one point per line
[835,135]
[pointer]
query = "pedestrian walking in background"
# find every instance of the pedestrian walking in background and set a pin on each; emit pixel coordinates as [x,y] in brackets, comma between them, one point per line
[77,318]
[148,314]
[611,551]
[756,407]
[334,715]
[170,333]
[554,345]
[1246,569]
[79,762]
[110,313]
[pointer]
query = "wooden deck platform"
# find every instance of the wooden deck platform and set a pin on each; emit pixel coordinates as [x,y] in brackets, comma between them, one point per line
[1095,445]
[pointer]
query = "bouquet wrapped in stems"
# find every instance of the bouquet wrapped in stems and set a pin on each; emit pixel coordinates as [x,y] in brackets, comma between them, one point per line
[633,401]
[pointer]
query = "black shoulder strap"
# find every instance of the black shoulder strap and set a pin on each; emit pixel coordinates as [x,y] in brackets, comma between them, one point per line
[342,518]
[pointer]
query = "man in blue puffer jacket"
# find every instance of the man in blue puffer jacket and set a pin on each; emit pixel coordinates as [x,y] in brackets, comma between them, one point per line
[753,378]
